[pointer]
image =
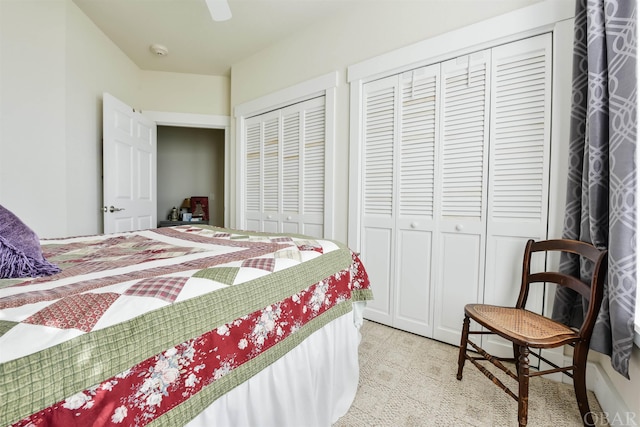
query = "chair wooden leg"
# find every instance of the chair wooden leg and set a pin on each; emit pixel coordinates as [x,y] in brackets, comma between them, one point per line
[463,346]
[579,383]
[523,385]
[516,354]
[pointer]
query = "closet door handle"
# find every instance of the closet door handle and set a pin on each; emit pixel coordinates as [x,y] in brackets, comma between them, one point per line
[459,227]
[413,224]
[289,218]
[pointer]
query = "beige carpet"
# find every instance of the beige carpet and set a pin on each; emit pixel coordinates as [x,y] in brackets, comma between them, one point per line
[408,380]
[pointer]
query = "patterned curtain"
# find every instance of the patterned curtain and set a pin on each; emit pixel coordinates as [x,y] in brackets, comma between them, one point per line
[601,193]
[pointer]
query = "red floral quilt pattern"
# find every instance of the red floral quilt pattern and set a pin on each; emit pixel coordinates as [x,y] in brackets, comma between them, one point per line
[151,388]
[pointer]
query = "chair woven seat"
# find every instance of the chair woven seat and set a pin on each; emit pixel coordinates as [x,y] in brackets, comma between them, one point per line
[523,325]
[525,329]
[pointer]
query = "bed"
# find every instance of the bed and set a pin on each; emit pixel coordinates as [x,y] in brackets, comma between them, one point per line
[181,325]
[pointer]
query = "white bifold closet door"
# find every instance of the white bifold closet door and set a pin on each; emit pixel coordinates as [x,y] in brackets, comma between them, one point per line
[378,220]
[455,177]
[400,117]
[495,180]
[285,164]
[415,165]
[461,201]
[519,156]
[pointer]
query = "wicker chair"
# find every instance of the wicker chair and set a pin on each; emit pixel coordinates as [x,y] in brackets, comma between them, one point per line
[526,329]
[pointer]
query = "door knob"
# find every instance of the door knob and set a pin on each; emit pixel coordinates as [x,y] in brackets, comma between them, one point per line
[112,209]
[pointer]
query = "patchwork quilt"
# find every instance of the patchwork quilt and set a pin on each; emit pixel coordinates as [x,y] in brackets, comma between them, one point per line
[153,326]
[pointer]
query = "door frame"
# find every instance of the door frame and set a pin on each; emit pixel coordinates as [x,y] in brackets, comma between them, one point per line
[546,16]
[204,121]
[325,85]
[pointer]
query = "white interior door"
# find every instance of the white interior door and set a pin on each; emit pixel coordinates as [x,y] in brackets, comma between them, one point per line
[129,168]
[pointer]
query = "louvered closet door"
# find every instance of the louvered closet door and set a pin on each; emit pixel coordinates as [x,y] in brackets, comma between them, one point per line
[414,204]
[262,173]
[378,220]
[303,165]
[291,170]
[461,191]
[271,146]
[285,164]
[252,178]
[519,166]
[312,147]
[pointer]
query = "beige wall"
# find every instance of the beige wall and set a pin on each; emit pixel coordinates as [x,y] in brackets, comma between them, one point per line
[54,66]
[372,29]
[32,98]
[346,40]
[185,93]
[93,65]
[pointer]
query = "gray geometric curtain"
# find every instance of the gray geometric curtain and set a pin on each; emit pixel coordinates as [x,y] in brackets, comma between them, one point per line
[601,193]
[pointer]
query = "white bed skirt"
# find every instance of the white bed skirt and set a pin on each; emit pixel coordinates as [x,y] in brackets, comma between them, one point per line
[314,384]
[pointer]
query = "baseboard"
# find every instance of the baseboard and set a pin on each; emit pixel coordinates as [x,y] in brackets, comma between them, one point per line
[614,409]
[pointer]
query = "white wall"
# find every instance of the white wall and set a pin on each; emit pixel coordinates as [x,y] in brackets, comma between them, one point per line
[93,65]
[333,45]
[185,93]
[54,66]
[349,39]
[32,111]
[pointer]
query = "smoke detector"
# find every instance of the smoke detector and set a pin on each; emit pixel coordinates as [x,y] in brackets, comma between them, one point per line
[159,50]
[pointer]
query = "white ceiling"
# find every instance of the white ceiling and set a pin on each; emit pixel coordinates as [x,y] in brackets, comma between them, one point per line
[196,43]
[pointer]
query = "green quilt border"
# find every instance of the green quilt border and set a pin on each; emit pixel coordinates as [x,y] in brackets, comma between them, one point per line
[6,325]
[39,380]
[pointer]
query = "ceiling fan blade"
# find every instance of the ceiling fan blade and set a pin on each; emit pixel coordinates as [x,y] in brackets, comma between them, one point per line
[219,9]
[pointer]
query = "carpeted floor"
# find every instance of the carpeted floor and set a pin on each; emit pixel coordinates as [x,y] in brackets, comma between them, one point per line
[408,380]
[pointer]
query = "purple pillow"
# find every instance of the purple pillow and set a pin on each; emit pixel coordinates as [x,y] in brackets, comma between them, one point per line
[20,251]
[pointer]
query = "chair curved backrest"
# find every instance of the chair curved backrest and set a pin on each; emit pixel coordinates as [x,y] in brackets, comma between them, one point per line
[526,329]
[592,291]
